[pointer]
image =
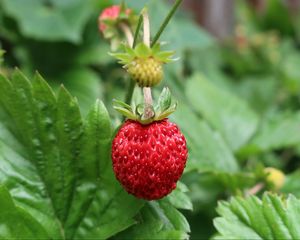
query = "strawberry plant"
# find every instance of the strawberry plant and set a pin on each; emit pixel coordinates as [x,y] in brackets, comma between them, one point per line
[127,120]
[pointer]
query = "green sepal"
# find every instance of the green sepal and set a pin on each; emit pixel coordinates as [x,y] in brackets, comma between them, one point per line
[164,100]
[140,109]
[135,112]
[143,51]
[124,109]
[126,113]
[166,113]
[121,104]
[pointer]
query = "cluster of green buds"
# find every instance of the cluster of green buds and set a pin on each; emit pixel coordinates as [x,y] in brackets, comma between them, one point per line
[142,58]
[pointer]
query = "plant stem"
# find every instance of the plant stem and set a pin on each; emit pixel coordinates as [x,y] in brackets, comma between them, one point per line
[148,110]
[130,40]
[131,85]
[166,21]
[254,190]
[146,27]
[130,90]
[128,34]
[137,31]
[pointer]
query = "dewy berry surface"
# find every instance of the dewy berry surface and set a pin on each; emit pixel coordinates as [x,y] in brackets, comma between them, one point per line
[148,160]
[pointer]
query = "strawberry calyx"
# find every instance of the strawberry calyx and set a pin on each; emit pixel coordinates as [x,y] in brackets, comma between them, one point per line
[142,51]
[136,112]
[144,64]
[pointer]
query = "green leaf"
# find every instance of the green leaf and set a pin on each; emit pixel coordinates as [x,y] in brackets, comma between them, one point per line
[236,181]
[291,184]
[270,218]
[259,91]
[207,149]
[57,165]
[112,211]
[278,131]
[158,220]
[225,112]
[84,84]
[51,20]
[179,197]
[17,223]
[290,71]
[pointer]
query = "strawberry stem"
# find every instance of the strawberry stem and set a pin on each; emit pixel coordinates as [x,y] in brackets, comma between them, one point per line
[127,32]
[131,42]
[148,110]
[254,190]
[130,90]
[132,82]
[166,21]
[137,31]
[146,27]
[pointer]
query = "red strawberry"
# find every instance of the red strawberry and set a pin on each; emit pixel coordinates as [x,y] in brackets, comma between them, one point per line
[148,160]
[112,14]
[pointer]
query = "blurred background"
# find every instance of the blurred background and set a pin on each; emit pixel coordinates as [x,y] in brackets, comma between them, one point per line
[237,81]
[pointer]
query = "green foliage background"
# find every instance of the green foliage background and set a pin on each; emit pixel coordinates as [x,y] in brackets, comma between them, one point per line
[238,108]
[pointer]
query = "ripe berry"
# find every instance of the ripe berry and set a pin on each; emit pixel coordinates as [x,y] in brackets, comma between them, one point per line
[110,14]
[148,160]
[146,72]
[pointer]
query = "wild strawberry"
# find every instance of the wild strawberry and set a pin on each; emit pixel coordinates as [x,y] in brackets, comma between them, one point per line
[148,160]
[146,72]
[275,177]
[111,15]
[144,64]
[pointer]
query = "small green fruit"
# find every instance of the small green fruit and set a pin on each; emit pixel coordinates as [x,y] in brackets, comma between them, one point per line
[275,177]
[146,72]
[144,64]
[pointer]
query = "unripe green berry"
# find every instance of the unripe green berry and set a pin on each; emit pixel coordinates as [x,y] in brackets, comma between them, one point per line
[275,177]
[147,72]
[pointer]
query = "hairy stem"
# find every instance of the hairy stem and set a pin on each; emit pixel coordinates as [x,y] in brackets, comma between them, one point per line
[146,27]
[148,110]
[137,31]
[130,40]
[131,85]
[127,32]
[254,190]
